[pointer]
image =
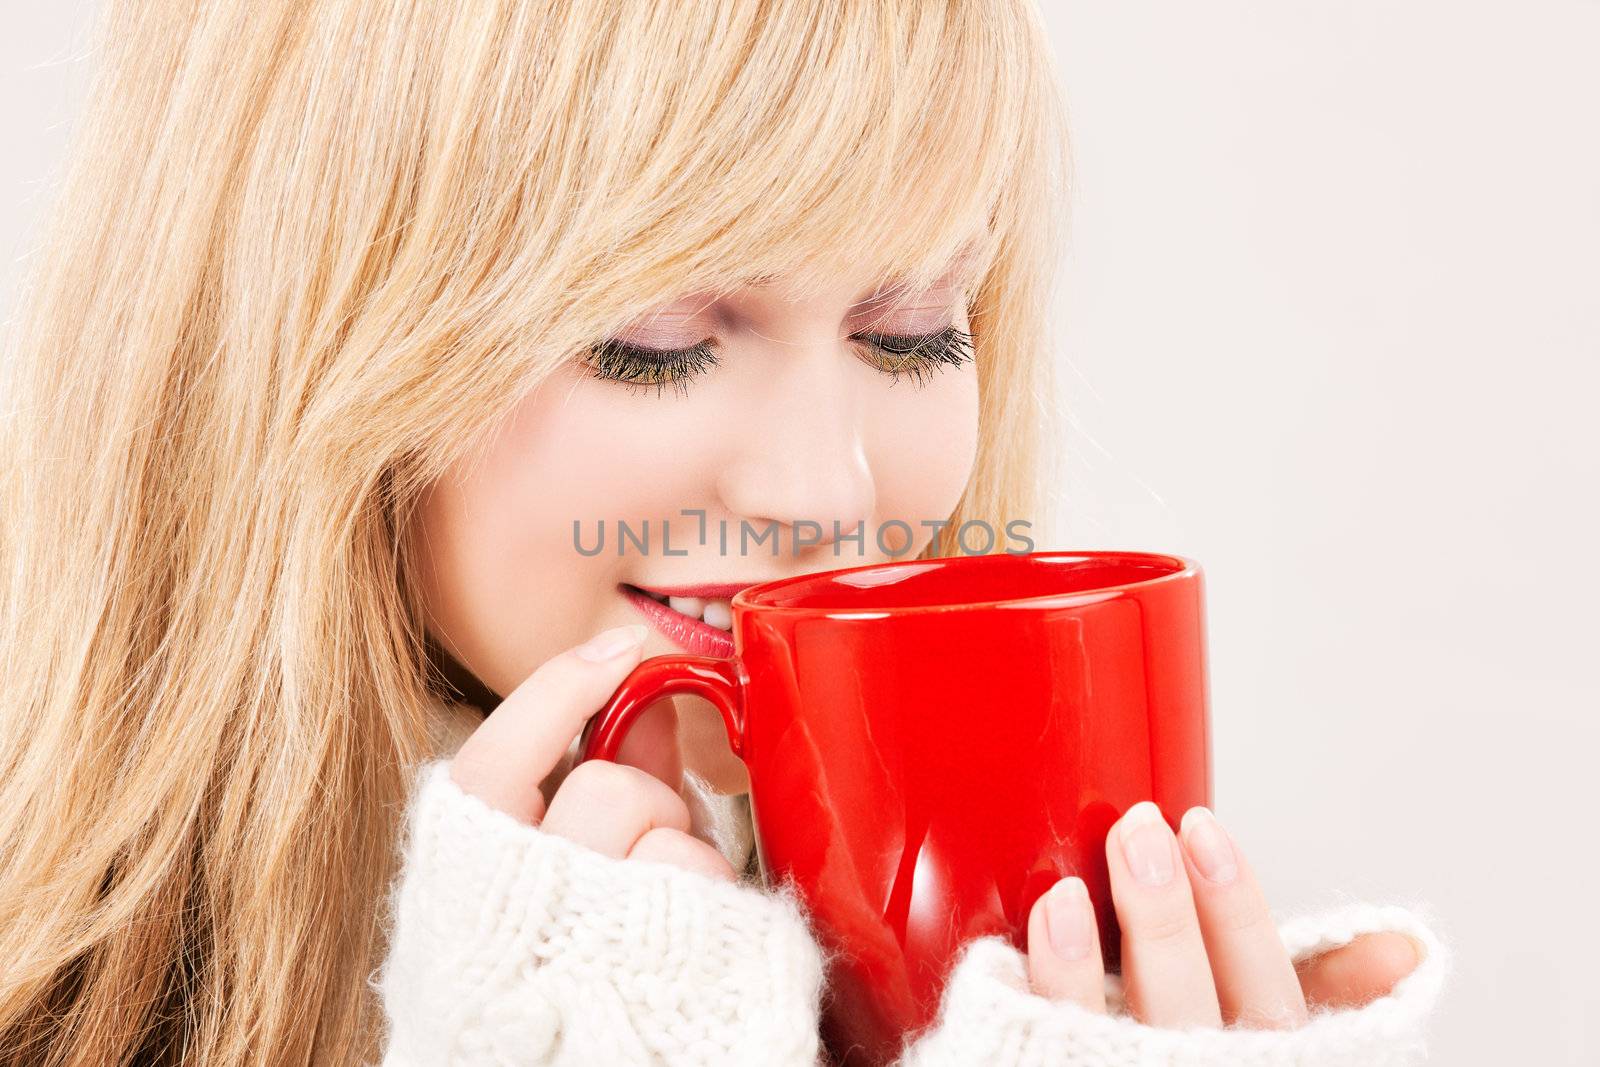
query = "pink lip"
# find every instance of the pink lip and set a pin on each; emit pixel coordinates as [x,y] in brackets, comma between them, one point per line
[709,590]
[692,635]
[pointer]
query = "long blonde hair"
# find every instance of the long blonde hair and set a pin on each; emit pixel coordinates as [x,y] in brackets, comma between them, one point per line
[306,253]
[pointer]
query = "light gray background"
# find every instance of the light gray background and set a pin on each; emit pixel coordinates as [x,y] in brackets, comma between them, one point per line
[1331,328]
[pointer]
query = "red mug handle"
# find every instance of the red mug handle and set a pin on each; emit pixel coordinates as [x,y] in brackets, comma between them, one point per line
[719,680]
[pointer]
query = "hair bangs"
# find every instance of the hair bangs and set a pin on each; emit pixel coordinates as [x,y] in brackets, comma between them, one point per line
[885,140]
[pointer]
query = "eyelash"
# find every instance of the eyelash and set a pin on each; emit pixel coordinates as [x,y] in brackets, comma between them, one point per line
[914,355]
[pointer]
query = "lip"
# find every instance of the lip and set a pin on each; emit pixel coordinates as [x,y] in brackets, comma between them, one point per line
[707,590]
[693,636]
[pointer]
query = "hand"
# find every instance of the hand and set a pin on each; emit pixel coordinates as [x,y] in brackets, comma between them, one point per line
[624,809]
[1199,947]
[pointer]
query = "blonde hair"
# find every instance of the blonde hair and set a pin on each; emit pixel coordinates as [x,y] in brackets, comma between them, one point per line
[304,255]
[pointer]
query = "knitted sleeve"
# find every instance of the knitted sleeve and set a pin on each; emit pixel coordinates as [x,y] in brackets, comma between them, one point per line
[989,1015]
[508,945]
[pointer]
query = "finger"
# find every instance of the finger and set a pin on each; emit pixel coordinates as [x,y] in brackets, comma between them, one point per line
[651,743]
[609,806]
[1166,975]
[1064,961]
[1256,984]
[1360,972]
[665,845]
[523,739]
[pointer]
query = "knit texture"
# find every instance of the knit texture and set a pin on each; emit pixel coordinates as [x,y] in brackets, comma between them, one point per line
[510,946]
[513,946]
[989,1015]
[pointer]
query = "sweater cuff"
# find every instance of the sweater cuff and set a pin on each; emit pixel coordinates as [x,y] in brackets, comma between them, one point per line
[512,946]
[989,1014]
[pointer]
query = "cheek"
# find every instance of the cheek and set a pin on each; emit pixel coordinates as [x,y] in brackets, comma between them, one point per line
[505,583]
[923,447]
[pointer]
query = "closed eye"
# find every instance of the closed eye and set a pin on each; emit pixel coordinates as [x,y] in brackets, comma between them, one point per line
[898,355]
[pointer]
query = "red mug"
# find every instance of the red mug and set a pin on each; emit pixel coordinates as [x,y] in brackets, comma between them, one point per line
[933,743]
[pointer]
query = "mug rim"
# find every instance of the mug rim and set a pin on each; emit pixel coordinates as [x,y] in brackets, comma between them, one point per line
[1183,567]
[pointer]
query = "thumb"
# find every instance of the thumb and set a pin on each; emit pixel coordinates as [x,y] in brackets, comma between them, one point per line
[651,743]
[1360,972]
[525,737]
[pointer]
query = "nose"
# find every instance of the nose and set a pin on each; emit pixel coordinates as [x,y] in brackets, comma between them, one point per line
[803,459]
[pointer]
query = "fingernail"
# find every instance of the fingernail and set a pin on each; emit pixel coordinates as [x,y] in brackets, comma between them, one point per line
[1208,845]
[1069,919]
[608,644]
[1147,844]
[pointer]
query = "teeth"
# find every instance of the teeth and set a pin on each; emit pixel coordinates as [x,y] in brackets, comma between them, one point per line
[689,605]
[718,613]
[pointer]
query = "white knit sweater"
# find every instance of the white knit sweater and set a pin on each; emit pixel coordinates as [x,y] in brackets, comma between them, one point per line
[511,946]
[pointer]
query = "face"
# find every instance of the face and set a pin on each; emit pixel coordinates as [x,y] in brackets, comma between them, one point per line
[769,412]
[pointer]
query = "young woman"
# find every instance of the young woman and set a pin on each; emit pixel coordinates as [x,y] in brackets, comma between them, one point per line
[350,310]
